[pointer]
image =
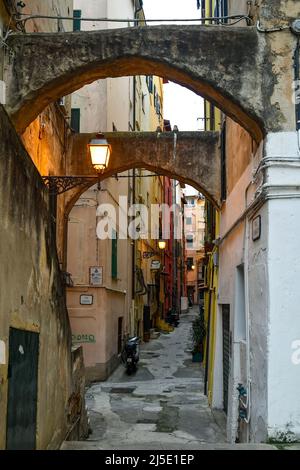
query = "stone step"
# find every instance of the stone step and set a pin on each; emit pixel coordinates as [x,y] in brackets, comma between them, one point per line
[99,445]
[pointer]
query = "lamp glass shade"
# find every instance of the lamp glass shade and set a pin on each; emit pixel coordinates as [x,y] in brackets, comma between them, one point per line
[193,267]
[162,244]
[100,153]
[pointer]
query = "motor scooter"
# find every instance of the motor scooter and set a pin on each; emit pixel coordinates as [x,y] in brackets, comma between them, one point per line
[130,354]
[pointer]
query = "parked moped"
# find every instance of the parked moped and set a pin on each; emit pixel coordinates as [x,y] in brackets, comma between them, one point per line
[130,354]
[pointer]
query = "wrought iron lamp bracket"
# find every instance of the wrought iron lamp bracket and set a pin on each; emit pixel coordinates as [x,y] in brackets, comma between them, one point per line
[60,184]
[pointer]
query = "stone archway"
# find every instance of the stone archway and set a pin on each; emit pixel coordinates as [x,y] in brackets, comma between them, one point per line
[190,157]
[48,66]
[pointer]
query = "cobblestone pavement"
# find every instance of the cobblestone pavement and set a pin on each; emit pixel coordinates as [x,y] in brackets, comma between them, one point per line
[161,406]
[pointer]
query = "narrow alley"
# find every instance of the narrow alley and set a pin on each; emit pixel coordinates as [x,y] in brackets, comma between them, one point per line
[150,209]
[161,406]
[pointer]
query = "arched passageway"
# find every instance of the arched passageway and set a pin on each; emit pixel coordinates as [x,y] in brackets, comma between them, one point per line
[190,157]
[46,67]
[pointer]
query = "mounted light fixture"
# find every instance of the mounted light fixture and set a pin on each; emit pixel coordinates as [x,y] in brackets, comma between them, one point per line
[162,244]
[193,267]
[99,150]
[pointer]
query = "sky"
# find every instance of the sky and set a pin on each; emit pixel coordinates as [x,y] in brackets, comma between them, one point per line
[181,106]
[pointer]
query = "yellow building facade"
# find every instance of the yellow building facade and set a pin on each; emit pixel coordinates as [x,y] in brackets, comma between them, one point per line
[149,190]
[212,122]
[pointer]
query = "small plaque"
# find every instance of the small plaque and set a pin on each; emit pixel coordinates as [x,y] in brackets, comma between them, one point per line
[155,264]
[96,276]
[86,300]
[256,228]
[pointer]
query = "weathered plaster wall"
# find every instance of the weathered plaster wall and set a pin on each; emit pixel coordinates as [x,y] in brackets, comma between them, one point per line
[259,294]
[110,300]
[31,296]
[239,148]
[46,141]
[238,249]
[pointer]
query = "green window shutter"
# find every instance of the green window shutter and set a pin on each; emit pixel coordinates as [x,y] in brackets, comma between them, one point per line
[77,20]
[75,119]
[114,255]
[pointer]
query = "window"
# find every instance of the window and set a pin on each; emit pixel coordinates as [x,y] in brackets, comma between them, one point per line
[191,202]
[189,241]
[114,255]
[75,119]
[189,220]
[77,20]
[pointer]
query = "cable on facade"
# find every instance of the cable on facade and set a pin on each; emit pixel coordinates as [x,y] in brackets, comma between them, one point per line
[271,30]
[219,20]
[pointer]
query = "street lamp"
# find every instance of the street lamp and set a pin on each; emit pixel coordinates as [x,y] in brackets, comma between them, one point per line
[99,152]
[162,244]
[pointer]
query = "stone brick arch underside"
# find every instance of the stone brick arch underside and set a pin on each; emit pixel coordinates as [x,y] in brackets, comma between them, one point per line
[190,157]
[230,66]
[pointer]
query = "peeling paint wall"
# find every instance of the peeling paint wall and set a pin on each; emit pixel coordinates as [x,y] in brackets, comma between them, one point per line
[32,297]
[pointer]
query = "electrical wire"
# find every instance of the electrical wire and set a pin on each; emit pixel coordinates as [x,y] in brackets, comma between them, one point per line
[271,30]
[220,20]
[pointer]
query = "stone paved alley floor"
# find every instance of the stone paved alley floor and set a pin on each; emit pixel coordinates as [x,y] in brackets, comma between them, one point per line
[161,406]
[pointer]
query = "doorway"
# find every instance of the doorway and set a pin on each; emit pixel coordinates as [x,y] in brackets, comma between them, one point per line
[22,390]
[226,353]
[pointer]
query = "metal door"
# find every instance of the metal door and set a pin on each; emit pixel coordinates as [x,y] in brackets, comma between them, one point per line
[226,352]
[22,389]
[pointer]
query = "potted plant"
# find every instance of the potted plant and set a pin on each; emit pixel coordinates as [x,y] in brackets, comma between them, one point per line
[199,332]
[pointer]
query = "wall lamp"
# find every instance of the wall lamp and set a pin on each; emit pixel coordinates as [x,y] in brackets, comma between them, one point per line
[99,152]
[162,244]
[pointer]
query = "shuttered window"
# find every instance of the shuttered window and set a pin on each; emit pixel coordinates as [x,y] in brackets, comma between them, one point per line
[75,119]
[114,255]
[77,20]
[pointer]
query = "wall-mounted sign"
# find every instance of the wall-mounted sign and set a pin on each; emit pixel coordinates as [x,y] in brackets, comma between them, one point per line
[155,264]
[96,275]
[83,338]
[86,300]
[256,228]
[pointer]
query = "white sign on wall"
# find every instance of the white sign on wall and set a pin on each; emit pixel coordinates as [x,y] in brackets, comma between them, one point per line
[2,352]
[86,300]
[96,276]
[155,264]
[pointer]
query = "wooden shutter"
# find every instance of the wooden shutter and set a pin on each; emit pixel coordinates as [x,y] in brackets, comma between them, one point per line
[77,20]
